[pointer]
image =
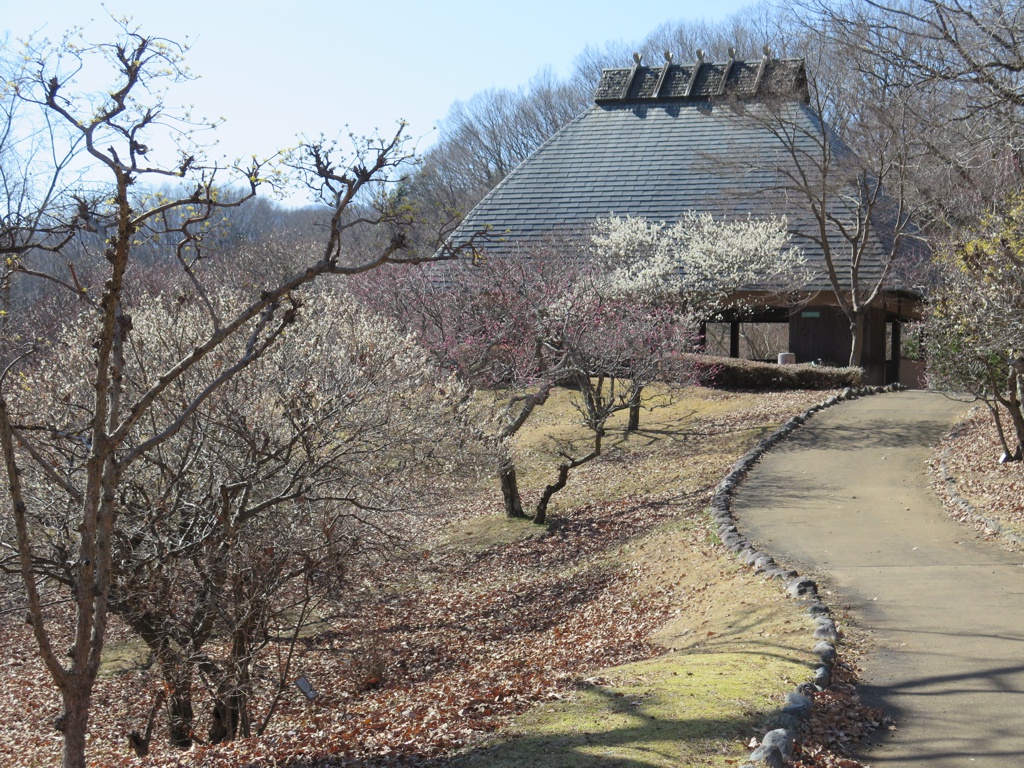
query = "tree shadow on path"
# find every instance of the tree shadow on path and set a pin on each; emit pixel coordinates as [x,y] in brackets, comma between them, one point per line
[874,433]
[935,740]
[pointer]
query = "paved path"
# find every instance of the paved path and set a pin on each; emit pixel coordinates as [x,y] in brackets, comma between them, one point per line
[847,500]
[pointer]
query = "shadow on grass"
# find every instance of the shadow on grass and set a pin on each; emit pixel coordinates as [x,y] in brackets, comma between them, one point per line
[621,731]
[741,638]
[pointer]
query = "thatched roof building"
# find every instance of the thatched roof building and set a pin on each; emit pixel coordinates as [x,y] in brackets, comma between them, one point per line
[732,139]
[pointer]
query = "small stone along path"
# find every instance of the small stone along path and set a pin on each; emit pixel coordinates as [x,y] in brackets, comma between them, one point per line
[846,499]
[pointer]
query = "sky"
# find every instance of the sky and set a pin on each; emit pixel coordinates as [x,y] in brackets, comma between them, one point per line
[277,70]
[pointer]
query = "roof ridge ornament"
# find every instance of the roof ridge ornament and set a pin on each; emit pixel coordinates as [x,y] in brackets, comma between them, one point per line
[725,71]
[735,79]
[664,74]
[761,68]
[637,58]
[695,72]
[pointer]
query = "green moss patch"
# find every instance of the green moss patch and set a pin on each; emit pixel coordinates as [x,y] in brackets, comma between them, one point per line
[677,709]
[479,533]
[123,655]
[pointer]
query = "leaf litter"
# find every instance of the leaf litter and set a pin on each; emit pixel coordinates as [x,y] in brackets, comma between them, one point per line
[448,644]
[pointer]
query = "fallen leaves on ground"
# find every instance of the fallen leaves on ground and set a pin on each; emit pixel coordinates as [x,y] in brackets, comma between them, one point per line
[995,491]
[839,722]
[445,645]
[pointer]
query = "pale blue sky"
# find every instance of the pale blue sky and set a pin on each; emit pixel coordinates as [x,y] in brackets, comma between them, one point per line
[277,69]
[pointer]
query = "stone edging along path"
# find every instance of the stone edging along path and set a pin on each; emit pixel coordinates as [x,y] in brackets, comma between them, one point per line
[777,745]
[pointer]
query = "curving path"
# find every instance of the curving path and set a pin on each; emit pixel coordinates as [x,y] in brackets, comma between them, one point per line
[846,499]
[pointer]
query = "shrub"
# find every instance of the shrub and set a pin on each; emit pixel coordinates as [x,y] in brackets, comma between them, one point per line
[733,373]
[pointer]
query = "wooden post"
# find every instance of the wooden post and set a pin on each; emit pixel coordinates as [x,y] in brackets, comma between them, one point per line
[897,342]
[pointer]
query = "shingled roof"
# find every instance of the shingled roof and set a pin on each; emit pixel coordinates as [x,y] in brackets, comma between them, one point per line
[660,141]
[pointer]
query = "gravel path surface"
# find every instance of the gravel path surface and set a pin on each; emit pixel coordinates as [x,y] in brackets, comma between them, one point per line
[846,499]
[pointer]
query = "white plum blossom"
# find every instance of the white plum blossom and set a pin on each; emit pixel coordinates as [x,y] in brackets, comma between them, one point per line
[301,473]
[698,260]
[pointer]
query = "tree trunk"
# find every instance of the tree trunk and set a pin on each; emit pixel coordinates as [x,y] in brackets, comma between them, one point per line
[541,516]
[175,668]
[180,715]
[231,706]
[634,411]
[1018,427]
[993,408]
[74,723]
[510,491]
[856,340]
[140,741]
[224,724]
[230,714]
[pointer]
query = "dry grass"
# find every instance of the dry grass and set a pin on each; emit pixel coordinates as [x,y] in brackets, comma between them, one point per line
[681,443]
[731,644]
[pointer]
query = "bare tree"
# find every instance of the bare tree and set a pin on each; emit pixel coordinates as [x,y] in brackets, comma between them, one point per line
[848,194]
[38,211]
[974,333]
[123,132]
[972,43]
[964,59]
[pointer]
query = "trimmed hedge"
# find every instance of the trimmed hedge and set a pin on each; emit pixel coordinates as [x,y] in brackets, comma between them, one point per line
[733,373]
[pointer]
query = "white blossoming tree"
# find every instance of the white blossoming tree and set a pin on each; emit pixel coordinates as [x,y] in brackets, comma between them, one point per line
[125,140]
[288,481]
[699,262]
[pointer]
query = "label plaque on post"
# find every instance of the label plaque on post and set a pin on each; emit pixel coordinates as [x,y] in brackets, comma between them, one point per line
[307,690]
